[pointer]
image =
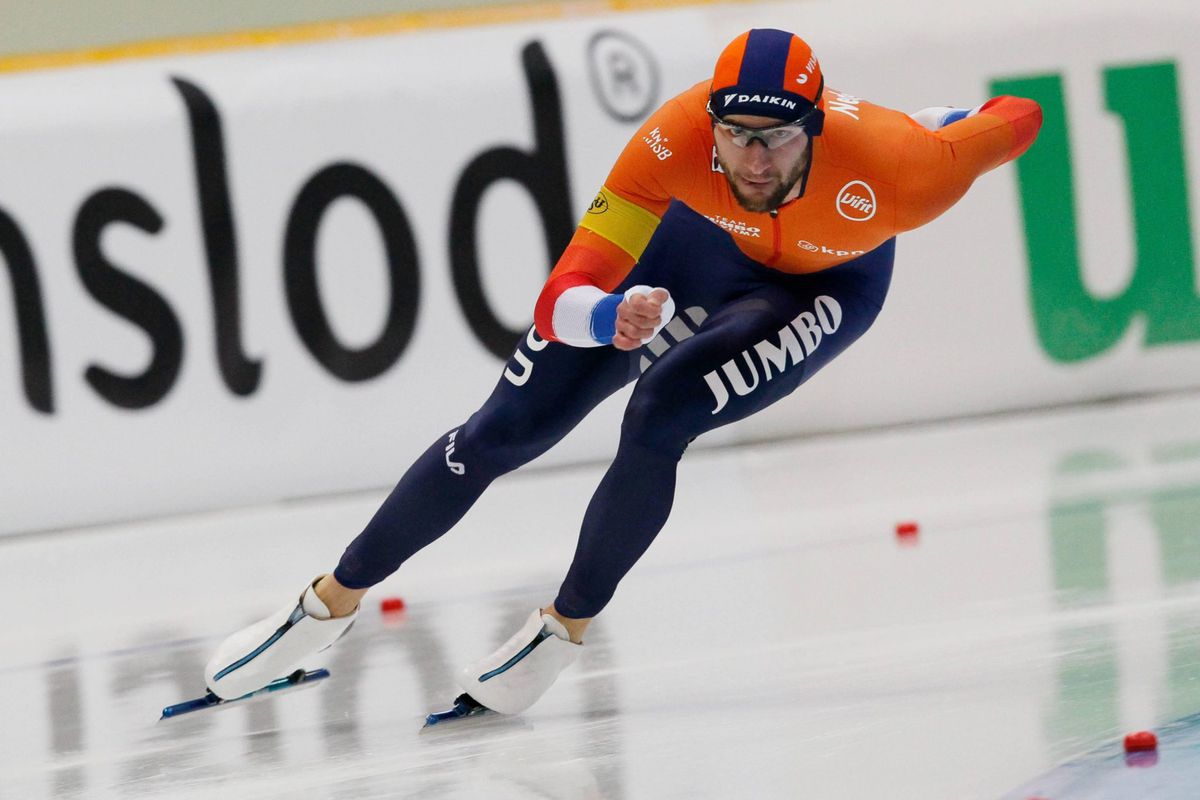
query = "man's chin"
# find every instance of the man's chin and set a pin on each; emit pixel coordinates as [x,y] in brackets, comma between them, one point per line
[757,198]
[756,206]
[759,201]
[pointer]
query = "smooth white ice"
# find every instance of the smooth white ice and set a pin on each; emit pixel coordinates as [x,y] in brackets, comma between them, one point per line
[778,640]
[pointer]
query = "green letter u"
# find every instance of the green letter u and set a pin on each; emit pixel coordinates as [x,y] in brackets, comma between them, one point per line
[1072,324]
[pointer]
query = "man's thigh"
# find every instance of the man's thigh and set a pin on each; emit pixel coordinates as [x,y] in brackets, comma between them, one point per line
[544,390]
[757,349]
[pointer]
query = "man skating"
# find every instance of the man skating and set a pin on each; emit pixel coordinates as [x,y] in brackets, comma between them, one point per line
[755,214]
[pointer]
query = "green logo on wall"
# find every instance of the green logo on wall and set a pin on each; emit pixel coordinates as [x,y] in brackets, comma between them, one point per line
[1072,323]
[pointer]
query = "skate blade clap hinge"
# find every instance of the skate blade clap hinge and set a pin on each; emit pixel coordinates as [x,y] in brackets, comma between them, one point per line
[210,700]
[467,706]
[464,706]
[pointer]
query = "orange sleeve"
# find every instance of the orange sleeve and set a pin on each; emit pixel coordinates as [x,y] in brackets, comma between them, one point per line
[937,167]
[589,260]
[660,162]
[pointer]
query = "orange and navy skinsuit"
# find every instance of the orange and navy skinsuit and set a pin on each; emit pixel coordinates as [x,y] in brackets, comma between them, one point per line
[874,173]
[765,302]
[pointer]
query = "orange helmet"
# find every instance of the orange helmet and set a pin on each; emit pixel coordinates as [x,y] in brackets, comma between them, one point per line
[770,73]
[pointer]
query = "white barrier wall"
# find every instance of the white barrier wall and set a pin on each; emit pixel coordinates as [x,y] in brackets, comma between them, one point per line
[258,274]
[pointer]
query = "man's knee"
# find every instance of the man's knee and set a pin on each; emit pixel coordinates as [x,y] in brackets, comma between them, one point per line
[495,435]
[508,435]
[660,416]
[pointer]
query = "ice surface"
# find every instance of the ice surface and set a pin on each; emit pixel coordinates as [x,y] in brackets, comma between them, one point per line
[778,640]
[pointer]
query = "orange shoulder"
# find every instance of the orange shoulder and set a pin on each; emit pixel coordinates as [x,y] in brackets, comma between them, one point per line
[662,159]
[864,137]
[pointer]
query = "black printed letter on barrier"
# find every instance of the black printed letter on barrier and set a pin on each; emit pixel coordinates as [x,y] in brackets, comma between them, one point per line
[542,172]
[128,297]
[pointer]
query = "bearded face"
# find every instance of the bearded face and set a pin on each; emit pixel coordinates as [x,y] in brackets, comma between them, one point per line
[760,178]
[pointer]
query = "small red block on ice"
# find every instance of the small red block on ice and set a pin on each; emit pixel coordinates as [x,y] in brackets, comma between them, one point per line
[391,605]
[907,529]
[1141,741]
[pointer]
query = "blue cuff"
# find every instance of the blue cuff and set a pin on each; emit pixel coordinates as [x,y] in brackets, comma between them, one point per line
[604,318]
[955,116]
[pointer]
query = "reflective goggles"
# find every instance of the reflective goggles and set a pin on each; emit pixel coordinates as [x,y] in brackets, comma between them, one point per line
[772,136]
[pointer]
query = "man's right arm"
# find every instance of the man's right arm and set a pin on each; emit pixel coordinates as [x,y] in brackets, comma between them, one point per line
[577,306]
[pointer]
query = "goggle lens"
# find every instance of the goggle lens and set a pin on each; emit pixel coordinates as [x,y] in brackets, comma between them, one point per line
[773,137]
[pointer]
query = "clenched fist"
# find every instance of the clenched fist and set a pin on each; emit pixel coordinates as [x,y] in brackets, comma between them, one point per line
[639,317]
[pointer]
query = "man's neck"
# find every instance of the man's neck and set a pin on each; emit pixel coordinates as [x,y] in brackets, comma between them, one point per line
[798,186]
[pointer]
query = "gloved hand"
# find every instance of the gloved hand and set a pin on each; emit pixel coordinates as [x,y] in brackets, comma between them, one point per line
[641,315]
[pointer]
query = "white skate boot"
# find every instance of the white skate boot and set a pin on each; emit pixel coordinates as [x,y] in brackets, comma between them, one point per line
[511,679]
[274,647]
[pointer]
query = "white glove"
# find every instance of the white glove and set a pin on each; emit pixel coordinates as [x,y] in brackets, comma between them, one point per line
[668,307]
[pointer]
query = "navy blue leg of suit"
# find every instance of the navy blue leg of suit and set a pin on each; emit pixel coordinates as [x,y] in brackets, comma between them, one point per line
[745,336]
[551,390]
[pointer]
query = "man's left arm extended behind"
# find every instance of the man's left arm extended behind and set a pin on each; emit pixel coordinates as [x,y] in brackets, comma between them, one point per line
[939,165]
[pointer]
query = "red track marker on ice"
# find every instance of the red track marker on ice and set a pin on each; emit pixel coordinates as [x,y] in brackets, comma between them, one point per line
[391,605]
[1140,741]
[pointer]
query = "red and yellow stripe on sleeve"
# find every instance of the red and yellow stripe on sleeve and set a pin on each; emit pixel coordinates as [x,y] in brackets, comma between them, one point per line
[608,242]
[622,222]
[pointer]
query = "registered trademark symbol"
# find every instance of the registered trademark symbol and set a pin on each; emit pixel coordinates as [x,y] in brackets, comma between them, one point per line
[624,75]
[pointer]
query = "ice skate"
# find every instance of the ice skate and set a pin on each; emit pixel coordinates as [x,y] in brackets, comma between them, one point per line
[511,679]
[275,647]
[298,679]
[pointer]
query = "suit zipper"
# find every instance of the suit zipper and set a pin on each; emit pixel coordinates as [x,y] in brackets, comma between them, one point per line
[776,237]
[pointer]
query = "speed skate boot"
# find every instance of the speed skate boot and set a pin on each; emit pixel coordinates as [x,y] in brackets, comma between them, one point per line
[511,679]
[274,647]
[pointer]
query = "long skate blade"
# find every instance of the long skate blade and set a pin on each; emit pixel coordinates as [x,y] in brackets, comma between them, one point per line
[210,700]
[464,706]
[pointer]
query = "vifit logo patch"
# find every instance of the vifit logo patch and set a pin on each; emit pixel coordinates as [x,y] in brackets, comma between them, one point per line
[856,201]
